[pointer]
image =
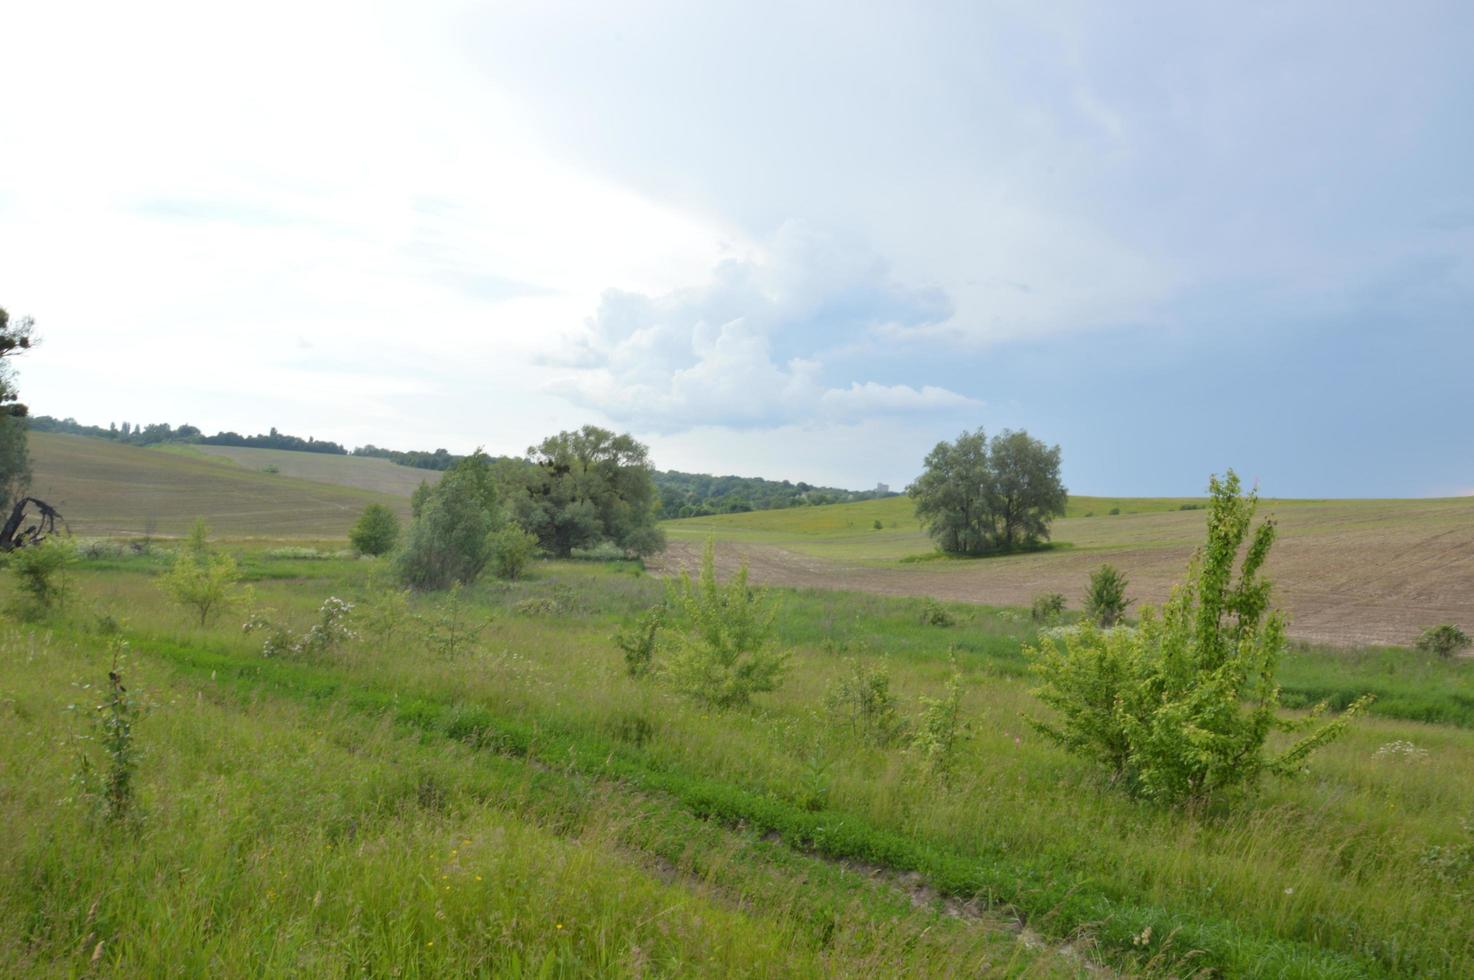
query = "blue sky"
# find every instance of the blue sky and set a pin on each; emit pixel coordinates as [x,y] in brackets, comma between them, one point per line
[791,240]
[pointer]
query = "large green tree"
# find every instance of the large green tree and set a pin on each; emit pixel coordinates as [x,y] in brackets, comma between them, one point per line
[15,463]
[977,496]
[580,489]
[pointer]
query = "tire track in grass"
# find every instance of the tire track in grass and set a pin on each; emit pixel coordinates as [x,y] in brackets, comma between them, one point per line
[1134,935]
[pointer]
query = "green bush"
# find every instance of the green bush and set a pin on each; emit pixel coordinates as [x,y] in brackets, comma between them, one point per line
[202,580]
[512,550]
[41,576]
[450,538]
[1178,709]
[1047,607]
[933,613]
[939,728]
[377,531]
[1105,597]
[1444,640]
[720,652]
[638,641]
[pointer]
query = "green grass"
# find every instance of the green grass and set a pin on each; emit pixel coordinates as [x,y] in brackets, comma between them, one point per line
[600,801]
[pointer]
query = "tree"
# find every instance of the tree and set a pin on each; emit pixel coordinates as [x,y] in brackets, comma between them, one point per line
[584,488]
[721,652]
[200,579]
[1105,597]
[977,497]
[1180,708]
[377,531]
[512,550]
[450,538]
[15,464]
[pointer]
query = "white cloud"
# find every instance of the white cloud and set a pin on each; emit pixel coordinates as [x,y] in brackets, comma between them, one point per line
[710,355]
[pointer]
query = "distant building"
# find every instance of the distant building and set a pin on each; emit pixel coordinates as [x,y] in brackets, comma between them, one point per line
[882,488]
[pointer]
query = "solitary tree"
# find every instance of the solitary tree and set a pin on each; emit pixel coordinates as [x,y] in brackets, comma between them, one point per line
[579,489]
[376,532]
[978,496]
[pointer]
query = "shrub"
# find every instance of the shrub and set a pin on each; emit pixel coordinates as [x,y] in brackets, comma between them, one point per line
[202,582]
[862,699]
[377,531]
[511,552]
[331,630]
[638,641]
[1047,607]
[933,613]
[877,526]
[449,539]
[385,615]
[939,728]
[720,652]
[1105,597]
[1444,640]
[1178,709]
[41,576]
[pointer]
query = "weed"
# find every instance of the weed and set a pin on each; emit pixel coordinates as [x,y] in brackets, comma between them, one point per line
[110,786]
[862,699]
[454,627]
[938,729]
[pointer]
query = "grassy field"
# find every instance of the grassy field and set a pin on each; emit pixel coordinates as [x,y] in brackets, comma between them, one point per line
[103,488]
[520,806]
[1351,572]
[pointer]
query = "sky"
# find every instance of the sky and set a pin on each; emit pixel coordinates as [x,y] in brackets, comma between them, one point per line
[800,241]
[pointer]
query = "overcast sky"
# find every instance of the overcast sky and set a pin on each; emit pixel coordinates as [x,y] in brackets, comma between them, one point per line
[800,241]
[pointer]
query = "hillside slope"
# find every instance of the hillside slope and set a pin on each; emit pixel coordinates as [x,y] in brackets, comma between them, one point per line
[103,488]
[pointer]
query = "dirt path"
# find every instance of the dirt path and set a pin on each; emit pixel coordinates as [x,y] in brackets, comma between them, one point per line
[1340,589]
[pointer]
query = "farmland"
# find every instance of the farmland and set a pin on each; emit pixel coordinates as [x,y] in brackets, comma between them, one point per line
[476,784]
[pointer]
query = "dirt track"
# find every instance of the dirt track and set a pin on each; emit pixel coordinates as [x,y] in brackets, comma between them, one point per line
[1345,586]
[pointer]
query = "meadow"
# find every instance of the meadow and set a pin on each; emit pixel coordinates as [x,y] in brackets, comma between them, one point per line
[513,803]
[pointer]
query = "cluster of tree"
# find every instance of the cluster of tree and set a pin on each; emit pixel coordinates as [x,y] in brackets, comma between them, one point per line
[574,491]
[440,459]
[162,432]
[978,497]
[700,495]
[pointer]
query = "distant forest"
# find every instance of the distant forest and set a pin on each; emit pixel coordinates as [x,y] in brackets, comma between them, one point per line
[681,494]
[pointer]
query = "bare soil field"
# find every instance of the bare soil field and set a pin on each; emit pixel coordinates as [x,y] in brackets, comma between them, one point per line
[103,488]
[1348,573]
[362,472]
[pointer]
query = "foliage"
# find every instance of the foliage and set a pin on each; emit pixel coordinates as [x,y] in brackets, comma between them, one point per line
[939,728]
[384,615]
[1179,709]
[933,613]
[1105,597]
[701,495]
[512,550]
[110,784]
[577,489]
[200,579]
[862,699]
[1047,607]
[15,463]
[450,537]
[158,433]
[41,576]
[1444,640]
[638,641]
[377,531]
[720,652]
[454,627]
[977,497]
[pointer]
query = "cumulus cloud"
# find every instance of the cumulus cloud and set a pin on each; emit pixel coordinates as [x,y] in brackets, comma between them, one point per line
[746,349]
